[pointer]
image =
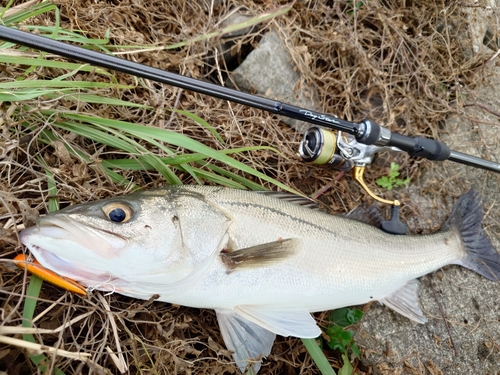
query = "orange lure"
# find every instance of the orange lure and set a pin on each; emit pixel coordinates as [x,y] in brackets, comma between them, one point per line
[43,273]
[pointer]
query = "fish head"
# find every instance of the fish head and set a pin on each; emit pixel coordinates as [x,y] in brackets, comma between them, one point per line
[129,243]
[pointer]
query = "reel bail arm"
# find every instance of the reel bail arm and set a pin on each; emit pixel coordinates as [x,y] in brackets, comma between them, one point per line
[394,225]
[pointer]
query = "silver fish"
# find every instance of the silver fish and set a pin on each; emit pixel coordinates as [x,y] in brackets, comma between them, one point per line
[264,261]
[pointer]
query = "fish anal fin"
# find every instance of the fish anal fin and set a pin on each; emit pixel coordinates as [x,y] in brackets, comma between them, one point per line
[249,342]
[284,322]
[259,255]
[405,301]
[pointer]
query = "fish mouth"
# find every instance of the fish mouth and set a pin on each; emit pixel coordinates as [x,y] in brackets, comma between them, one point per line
[74,250]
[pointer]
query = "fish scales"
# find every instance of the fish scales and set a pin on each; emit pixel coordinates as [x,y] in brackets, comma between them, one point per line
[263,261]
[335,255]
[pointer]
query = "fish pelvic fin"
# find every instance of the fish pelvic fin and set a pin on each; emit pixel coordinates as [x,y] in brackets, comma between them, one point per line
[284,322]
[249,342]
[249,331]
[466,218]
[405,301]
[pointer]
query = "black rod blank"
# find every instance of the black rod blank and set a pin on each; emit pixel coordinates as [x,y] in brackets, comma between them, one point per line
[415,146]
[140,70]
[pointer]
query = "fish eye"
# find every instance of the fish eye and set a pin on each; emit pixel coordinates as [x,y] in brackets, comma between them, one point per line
[118,212]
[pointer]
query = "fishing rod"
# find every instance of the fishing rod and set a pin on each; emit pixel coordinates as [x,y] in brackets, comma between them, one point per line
[352,147]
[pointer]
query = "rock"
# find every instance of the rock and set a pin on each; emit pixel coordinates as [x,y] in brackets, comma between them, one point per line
[479,19]
[467,339]
[232,46]
[269,71]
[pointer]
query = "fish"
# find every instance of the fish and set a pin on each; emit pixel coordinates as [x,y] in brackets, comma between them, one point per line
[264,261]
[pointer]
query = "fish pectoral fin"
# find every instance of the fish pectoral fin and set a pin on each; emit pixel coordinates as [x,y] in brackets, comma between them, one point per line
[249,342]
[259,255]
[284,322]
[405,301]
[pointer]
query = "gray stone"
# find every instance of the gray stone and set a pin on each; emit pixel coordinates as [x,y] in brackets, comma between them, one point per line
[480,19]
[235,19]
[469,303]
[269,71]
[233,44]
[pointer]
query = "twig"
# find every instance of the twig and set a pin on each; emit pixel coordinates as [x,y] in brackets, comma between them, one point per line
[442,314]
[42,348]
[490,60]
[119,361]
[320,192]
[485,107]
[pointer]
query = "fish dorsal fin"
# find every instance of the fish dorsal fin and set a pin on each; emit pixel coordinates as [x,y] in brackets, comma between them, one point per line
[259,255]
[292,198]
[405,301]
[248,341]
[367,214]
[284,322]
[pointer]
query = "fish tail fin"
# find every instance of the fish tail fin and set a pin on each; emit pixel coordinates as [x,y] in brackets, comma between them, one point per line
[466,218]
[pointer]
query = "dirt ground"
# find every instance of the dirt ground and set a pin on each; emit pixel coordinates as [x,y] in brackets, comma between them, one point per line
[406,65]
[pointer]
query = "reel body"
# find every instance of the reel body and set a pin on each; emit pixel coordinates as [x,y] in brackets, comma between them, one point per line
[344,153]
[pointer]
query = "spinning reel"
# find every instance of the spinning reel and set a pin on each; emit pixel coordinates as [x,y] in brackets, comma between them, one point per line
[344,153]
[351,148]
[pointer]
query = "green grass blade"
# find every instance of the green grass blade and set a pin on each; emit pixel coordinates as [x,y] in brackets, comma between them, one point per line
[234,177]
[169,175]
[32,11]
[24,60]
[231,179]
[46,136]
[318,356]
[176,139]
[68,36]
[121,142]
[219,180]
[200,121]
[32,293]
[64,93]
[131,164]
[96,99]
[185,167]
[251,22]
[3,10]
[57,83]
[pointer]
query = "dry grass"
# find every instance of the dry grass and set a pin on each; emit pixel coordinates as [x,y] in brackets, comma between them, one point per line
[405,66]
